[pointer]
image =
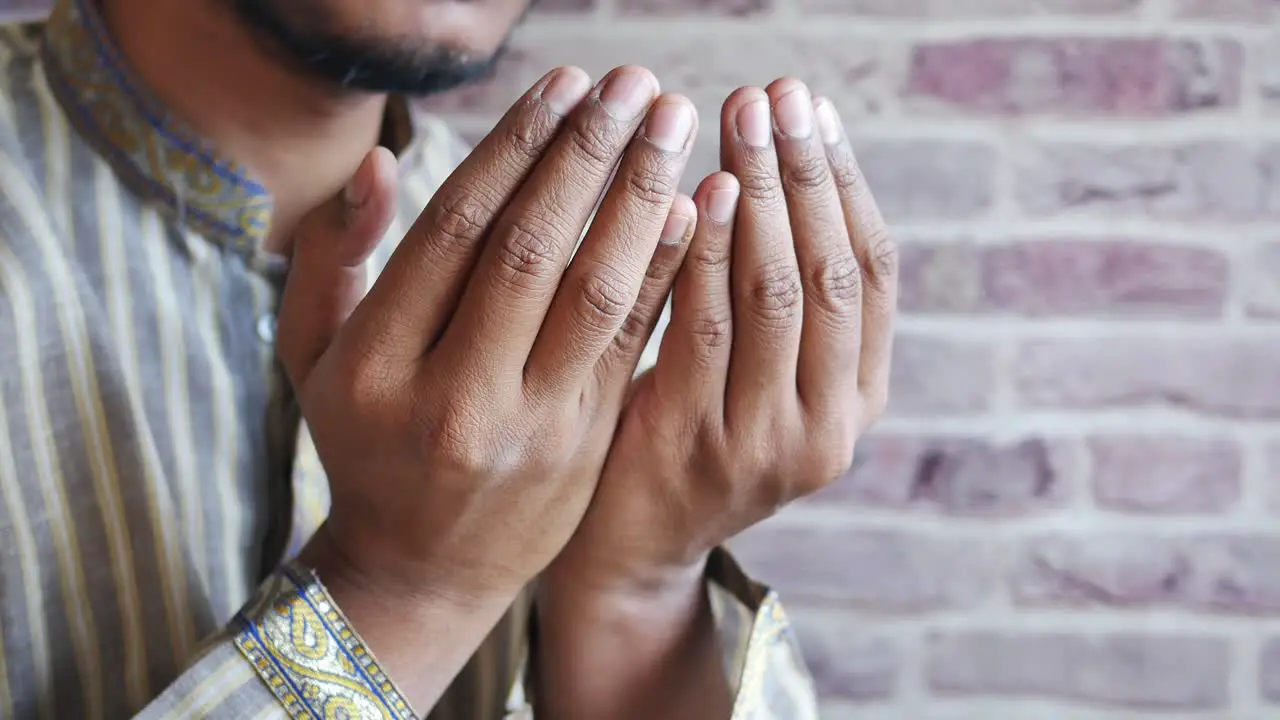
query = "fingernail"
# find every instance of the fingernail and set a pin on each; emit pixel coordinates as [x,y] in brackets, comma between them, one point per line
[721,204]
[670,125]
[627,92]
[356,193]
[674,231]
[565,90]
[828,122]
[794,113]
[753,123]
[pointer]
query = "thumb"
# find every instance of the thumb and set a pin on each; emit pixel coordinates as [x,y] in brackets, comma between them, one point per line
[327,275]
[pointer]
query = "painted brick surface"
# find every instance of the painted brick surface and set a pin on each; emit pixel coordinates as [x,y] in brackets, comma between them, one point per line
[1073,508]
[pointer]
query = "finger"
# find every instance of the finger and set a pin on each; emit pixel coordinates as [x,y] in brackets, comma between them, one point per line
[767,296]
[827,376]
[517,275]
[602,283]
[418,291]
[693,361]
[327,275]
[877,255]
[615,370]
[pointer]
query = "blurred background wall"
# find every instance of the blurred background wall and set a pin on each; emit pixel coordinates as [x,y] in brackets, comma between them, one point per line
[1073,510]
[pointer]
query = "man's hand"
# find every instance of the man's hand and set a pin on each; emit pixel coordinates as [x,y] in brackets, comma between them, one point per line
[775,360]
[464,410]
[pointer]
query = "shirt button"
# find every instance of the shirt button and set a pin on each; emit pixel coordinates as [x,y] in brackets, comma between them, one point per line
[267,328]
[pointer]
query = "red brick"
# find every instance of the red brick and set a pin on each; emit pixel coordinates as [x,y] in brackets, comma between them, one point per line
[1165,474]
[1122,670]
[1209,180]
[848,661]
[564,7]
[924,386]
[1104,278]
[868,569]
[1217,375]
[1260,10]
[1224,574]
[959,476]
[668,8]
[1077,76]
[948,9]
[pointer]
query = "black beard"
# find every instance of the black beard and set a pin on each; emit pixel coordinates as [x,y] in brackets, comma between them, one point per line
[362,63]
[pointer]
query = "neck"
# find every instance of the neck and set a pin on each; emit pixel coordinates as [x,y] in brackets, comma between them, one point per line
[300,137]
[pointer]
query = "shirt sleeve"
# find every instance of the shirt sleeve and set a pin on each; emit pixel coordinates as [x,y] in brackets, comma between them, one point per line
[762,659]
[289,653]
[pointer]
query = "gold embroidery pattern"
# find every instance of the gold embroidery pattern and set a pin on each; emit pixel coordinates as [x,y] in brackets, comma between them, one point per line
[311,659]
[770,628]
[163,158]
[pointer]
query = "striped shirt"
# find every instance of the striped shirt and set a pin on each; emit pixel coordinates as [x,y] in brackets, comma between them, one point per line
[155,478]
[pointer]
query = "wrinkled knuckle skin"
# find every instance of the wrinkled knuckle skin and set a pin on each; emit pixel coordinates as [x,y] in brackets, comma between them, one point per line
[835,285]
[631,336]
[595,139]
[776,295]
[529,250]
[451,437]
[710,332]
[761,187]
[461,218]
[883,258]
[710,260]
[807,174]
[652,183]
[846,173]
[605,300]
[527,136]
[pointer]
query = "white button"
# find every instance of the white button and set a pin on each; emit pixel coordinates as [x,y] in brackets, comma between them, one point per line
[267,328]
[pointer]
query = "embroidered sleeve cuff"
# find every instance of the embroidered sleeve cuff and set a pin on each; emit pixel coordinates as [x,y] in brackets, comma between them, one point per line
[762,657]
[300,644]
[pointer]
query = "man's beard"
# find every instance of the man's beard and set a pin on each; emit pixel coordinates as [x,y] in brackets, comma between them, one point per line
[359,63]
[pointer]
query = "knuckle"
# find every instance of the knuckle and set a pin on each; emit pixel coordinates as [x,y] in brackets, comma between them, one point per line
[461,217]
[529,250]
[606,300]
[761,187]
[711,259]
[835,284]
[776,294]
[595,141]
[808,173]
[630,337]
[527,136]
[846,173]
[711,332]
[450,437]
[652,183]
[882,260]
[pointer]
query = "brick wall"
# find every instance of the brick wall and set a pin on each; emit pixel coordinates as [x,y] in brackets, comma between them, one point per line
[1073,511]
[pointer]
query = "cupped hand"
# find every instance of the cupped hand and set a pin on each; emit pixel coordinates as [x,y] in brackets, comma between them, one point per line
[463,408]
[776,358]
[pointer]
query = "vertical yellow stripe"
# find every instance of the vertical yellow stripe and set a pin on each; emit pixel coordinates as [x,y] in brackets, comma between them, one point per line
[173,360]
[61,524]
[222,395]
[57,165]
[115,271]
[28,555]
[173,357]
[29,566]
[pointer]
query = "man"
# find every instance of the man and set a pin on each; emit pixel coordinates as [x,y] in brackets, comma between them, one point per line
[474,409]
